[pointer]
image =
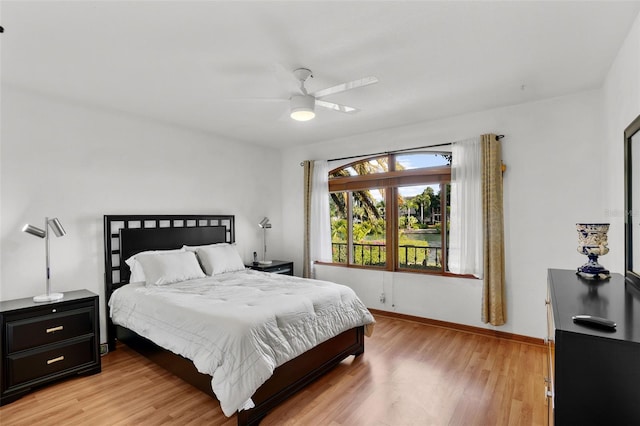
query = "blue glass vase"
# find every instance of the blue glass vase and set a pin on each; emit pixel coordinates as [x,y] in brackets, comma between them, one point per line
[592,242]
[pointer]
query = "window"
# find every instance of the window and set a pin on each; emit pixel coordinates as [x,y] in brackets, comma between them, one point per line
[388,212]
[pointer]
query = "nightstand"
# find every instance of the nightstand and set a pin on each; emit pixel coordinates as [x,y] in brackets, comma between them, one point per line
[277,267]
[44,342]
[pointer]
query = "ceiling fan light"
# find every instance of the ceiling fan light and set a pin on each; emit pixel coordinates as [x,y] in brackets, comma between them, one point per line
[302,114]
[302,107]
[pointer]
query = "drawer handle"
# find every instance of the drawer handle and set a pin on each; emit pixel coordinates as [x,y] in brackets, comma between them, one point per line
[51,361]
[54,329]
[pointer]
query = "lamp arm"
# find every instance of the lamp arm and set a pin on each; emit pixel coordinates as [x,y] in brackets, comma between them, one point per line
[264,240]
[46,237]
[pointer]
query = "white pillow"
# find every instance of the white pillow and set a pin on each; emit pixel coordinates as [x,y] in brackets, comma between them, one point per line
[137,273]
[167,268]
[195,248]
[219,258]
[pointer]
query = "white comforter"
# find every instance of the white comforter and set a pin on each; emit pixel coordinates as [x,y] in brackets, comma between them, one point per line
[238,327]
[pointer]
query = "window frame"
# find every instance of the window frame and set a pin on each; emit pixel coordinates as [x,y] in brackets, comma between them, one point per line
[391,181]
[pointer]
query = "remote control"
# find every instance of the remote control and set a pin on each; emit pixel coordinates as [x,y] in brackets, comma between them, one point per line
[593,321]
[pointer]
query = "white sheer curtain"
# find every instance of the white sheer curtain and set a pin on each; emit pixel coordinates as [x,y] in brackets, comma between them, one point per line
[319,221]
[465,233]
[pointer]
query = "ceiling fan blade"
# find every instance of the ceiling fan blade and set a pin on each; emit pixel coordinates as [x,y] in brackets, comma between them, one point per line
[258,99]
[346,86]
[337,107]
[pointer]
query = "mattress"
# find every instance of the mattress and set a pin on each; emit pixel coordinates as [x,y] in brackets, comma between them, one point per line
[239,326]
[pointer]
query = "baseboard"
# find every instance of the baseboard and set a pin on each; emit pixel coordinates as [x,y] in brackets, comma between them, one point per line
[461,327]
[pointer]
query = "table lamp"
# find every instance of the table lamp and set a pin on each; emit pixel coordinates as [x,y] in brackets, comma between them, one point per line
[54,225]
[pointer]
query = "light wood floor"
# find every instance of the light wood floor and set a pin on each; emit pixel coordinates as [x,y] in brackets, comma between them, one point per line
[410,374]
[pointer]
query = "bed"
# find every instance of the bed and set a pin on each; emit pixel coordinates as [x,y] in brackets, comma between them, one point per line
[127,235]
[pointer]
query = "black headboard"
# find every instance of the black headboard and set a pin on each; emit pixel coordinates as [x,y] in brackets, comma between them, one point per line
[126,235]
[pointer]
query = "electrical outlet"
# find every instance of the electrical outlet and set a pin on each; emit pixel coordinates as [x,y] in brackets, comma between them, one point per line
[382,298]
[104,348]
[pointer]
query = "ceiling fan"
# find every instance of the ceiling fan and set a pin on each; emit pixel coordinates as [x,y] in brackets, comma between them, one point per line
[303,105]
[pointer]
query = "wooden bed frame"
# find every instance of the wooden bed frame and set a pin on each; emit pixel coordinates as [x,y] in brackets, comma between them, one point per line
[126,235]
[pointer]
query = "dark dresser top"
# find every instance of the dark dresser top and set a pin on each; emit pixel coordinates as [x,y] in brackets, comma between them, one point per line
[613,298]
[27,302]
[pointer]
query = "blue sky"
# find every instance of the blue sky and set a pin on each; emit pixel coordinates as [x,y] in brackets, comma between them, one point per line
[420,160]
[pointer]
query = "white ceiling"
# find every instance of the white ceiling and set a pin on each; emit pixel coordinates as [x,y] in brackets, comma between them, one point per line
[198,64]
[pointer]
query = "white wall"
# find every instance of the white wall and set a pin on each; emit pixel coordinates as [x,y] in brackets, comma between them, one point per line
[621,106]
[78,163]
[553,180]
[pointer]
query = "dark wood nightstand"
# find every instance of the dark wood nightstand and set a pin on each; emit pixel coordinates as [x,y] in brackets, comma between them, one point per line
[277,267]
[43,342]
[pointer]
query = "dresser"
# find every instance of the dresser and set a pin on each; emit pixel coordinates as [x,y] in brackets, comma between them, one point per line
[284,267]
[594,373]
[44,342]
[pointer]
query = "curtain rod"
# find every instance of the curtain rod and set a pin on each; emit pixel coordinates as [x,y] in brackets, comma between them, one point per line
[498,137]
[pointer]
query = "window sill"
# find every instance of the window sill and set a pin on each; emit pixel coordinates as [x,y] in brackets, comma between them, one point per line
[408,271]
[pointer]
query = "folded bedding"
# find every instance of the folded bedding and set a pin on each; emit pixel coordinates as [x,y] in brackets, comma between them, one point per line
[239,326]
